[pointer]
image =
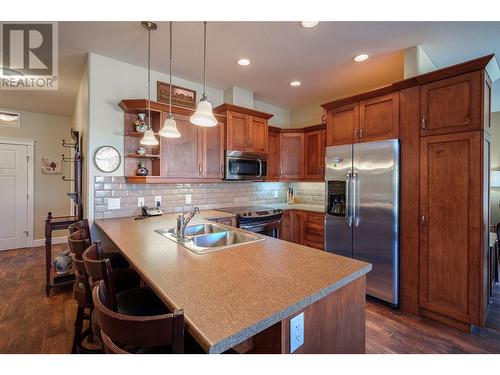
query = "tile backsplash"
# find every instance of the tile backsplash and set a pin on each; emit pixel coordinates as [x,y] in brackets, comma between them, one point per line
[173,196]
[309,192]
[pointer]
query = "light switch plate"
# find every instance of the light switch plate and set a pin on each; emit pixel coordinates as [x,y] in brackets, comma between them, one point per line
[113,203]
[157,200]
[140,201]
[188,198]
[296,332]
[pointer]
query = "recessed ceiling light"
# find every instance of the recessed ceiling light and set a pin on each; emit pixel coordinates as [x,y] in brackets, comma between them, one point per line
[361,57]
[295,83]
[244,62]
[309,24]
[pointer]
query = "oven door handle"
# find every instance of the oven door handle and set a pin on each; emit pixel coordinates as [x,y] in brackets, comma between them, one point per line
[260,227]
[260,168]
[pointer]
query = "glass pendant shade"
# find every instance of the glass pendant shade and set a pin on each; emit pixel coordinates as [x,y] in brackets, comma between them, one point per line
[203,115]
[149,139]
[169,129]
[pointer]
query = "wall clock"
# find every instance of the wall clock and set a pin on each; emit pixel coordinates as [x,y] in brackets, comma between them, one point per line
[107,159]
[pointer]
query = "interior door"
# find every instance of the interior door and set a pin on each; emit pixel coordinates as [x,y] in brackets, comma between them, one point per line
[376,206]
[13,196]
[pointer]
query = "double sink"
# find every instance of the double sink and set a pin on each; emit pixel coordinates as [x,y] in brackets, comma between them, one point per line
[205,238]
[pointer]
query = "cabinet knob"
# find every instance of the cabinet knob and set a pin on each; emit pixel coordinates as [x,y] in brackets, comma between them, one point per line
[361,133]
[424,125]
[355,134]
[199,169]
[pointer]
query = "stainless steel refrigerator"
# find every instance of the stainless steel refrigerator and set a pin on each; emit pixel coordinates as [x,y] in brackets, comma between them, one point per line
[362,204]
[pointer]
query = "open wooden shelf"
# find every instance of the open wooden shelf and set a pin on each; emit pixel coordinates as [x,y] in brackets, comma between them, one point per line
[145,156]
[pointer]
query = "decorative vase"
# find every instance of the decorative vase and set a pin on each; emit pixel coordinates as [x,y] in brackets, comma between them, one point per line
[140,123]
[62,262]
[140,151]
[142,171]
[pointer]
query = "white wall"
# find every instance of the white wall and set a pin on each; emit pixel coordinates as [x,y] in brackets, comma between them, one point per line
[281,116]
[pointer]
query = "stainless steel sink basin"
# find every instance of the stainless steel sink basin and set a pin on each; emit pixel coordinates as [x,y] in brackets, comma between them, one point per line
[205,238]
[196,230]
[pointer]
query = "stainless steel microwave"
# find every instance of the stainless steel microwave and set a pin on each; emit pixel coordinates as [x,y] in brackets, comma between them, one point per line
[245,166]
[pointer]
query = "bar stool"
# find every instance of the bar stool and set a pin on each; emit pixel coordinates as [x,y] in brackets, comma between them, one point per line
[117,260]
[124,278]
[135,321]
[78,242]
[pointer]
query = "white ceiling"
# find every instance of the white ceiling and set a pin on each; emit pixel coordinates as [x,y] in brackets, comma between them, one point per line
[279,52]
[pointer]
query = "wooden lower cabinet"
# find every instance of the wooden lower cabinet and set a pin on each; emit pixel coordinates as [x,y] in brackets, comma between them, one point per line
[303,227]
[451,226]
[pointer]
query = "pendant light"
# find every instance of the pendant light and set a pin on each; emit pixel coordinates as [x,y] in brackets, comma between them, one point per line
[203,115]
[169,129]
[149,138]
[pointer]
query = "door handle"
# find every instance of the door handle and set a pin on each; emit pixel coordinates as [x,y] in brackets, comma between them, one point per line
[222,169]
[423,124]
[423,221]
[355,134]
[260,167]
[199,169]
[361,133]
[348,199]
[356,200]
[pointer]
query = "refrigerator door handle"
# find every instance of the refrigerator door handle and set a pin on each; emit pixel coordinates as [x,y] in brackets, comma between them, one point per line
[348,198]
[355,199]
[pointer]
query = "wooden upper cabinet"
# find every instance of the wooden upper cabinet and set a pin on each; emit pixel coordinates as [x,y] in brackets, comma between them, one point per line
[273,156]
[314,149]
[379,118]
[450,204]
[451,105]
[257,134]
[342,125]
[292,155]
[237,125]
[213,151]
[246,129]
[182,157]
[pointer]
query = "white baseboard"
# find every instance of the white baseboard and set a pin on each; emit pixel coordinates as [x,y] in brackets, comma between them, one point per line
[55,241]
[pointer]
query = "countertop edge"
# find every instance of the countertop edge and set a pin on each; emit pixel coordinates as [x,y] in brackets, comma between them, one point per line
[245,334]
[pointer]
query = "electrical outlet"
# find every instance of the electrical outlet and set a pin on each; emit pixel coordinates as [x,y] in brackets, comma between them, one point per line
[275,194]
[140,201]
[188,198]
[113,203]
[157,200]
[296,332]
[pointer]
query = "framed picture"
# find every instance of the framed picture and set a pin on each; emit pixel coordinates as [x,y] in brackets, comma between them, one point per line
[51,166]
[180,95]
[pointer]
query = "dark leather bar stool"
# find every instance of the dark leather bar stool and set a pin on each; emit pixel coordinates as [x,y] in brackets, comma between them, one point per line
[124,278]
[78,243]
[135,320]
[117,260]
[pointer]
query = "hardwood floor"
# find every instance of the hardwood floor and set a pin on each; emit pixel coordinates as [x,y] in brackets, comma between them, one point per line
[33,323]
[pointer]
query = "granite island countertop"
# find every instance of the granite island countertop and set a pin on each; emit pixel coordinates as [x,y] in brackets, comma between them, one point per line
[230,295]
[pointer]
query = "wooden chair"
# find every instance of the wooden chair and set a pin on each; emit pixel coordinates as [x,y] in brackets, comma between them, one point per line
[78,242]
[124,278]
[141,331]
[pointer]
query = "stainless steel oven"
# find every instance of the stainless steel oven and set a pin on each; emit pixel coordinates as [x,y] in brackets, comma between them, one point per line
[262,220]
[245,166]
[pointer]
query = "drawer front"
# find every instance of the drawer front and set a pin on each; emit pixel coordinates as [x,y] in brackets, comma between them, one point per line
[315,220]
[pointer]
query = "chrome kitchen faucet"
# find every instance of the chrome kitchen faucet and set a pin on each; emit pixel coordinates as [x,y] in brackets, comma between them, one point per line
[182,222]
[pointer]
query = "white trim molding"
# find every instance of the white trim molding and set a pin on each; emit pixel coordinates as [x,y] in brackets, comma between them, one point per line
[55,241]
[30,143]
